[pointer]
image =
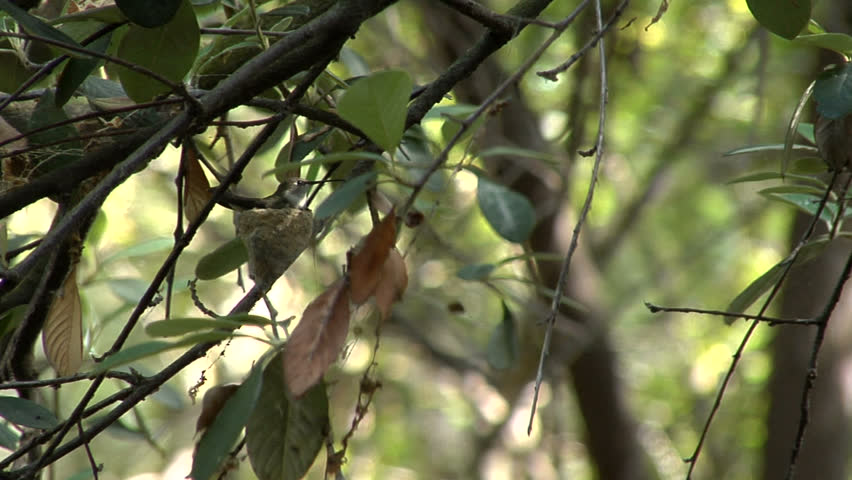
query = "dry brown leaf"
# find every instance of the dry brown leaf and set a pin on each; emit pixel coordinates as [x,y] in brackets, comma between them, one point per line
[365,265]
[394,281]
[212,403]
[62,336]
[196,191]
[318,338]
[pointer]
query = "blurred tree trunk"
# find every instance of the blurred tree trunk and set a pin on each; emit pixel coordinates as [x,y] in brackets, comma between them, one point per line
[827,442]
[611,431]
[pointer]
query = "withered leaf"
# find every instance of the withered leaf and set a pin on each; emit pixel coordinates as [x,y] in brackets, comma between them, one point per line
[212,403]
[365,265]
[62,336]
[318,338]
[393,282]
[196,192]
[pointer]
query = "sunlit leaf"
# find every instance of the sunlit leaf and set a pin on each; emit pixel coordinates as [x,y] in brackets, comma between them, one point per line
[809,203]
[283,434]
[755,290]
[290,156]
[26,413]
[223,432]
[140,249]
[174,327]
[392,284]
[144,350]
[377,105]
[839,42]
[510,214]
[318,338]
[775,147]
[62,336]
[196,192]
[786,19]
[168,50]
[345,195]
[226,258]
[503,346]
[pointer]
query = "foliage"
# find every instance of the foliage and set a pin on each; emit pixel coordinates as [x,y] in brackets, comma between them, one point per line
[335,106]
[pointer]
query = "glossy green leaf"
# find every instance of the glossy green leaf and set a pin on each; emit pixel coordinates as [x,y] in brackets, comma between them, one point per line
[15,73]
[26,413]
[35,26]
[174,327]
[504,151]
[144,350]
[78,69]
[377,105]
[776,147]
[149,13]
[755,290]
[510,214]
[756,177]
[226,258]
[168,50]
[477,271]
[809,166]
[833,91]
[808,203]
[220,437]
[785,18]
[838,42]
[503,346]
[345,195]
[294,152]
[283,434]
[805,189]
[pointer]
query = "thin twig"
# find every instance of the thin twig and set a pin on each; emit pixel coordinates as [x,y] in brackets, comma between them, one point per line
[717,401]
[760,318]
[94,465]
[587,204]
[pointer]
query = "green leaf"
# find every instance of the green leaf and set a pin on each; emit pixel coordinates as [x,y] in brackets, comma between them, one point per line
[78,69]
[155,347]
[805,189]
[510,214]
[140,249]
[27,413]
[284,435]
[294,152]
[323,159]
[36,26]
[149,13]
[476,271]
[503,346]
[8,437]
[226,258]
[222,434]
[175,327]
[756,177]
[809,167]
[15,73]
[504,151]
[168,50]
[806,130]
[345,195]
[808,203]
[46,114]
[755,290]
[838,42]
[776,147]
[377,105]
[833,92]
[785,19]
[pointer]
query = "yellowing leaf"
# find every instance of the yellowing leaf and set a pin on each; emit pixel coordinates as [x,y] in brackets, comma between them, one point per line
[318,338]
[365,265]
[393,282]
[196,190]
[62,336]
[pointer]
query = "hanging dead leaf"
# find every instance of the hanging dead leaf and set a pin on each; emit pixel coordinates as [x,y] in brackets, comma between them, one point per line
[318,338]
[365,265]
[393,282]
[274,238]
[62,336]
[212,403]
[196,190]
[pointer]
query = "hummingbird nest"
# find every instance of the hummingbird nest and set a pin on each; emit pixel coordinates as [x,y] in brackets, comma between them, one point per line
[274,238]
